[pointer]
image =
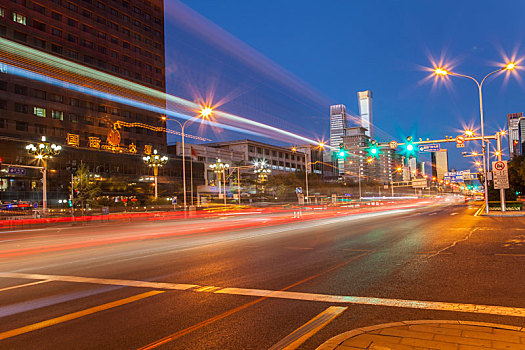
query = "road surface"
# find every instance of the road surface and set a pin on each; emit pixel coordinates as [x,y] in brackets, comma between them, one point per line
[256,281]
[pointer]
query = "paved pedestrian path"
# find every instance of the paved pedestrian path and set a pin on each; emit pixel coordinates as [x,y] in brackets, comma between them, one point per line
[430,334]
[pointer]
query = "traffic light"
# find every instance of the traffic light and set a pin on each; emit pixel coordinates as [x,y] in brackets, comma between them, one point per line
[409,146]
[341,154]
[374,150]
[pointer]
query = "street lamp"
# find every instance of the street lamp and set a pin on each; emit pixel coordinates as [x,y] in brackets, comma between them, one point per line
[308,164]
[205,113]
[439,71]
[155,161]
[261,169]
[43,151]
[220,168]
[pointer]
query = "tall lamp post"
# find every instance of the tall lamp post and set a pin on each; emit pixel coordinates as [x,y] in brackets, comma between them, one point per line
[508,67]
[155,161]
[219,168]
[205,112]
[43,151]
[261,168]
[307,166]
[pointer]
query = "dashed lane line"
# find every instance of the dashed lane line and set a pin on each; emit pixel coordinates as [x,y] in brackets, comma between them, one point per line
[24,285]
[325,298]
[509,254]
[75,315]
[301,334]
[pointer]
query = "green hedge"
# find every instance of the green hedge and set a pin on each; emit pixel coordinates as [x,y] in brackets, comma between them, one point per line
[510,205]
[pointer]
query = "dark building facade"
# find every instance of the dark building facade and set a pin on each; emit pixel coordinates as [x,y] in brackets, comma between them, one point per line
[124,39]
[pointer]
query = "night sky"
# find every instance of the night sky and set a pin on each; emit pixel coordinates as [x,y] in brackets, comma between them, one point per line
[284,62]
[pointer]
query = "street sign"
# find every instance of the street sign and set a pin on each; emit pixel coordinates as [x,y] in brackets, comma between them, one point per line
[460,139]
[174,200]
[393,144]
[419,183]
[454,176]
[16,171]
[460,145]
[35,205]
[500,173]
[431,147]
[298,190]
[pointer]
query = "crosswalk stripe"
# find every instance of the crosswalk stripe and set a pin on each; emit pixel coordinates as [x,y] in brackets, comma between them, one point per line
[301,334]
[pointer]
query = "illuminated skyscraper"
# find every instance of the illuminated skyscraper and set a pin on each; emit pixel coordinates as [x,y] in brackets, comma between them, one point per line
[439,164]
[365,111]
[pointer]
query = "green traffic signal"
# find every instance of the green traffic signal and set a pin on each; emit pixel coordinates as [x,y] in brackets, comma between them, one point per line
[342,154]
[409,146]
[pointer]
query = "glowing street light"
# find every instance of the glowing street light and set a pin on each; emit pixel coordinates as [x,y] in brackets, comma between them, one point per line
[469,132]
[155,161]
[44,151]
[440,71]
[205,112]
[219,168]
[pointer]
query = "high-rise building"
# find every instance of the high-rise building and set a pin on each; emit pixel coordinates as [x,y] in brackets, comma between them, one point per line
[513,121]
[338,125]
[365,111]
[355,165]
[439,164]
[521,129]
[122,39]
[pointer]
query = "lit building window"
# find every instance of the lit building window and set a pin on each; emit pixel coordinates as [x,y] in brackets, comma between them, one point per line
[57,115]
[18,18]
[2,12]
[39,112]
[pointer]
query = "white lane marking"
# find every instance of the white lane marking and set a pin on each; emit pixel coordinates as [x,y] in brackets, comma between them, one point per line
[110,281]
[432,214]
[326,298]
[24,285]
[454,213]
[301,334]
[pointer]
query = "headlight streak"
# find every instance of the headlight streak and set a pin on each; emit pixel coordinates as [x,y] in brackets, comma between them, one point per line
[21,55]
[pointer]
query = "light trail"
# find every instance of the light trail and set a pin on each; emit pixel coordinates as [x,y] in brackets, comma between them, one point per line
[34,64]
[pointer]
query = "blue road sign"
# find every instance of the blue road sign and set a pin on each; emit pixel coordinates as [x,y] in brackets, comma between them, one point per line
[431,147]
[298,190]
[16,171]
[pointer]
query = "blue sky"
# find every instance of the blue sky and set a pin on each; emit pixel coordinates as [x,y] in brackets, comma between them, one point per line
[336,48]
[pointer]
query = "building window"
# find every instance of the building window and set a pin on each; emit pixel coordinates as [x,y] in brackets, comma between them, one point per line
[3,123]
[56,48]
[39,25]
[72,38]
[57,115]
[20,36]
[72,54]
[102,35]
[39,112]
[21,90]
[18,18]
[40,129]
[56,32]
[73,118]
[41,94]
[125,45]
[57,98]
[3,85]
[21,108]
[21,126]
[72,6]
[74,102]
[40,9]
[57,16]
[86,13]
[71,22]
[2,12]
[3,104]
[3,30]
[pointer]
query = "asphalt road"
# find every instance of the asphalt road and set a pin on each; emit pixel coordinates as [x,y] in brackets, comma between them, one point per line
[250,282]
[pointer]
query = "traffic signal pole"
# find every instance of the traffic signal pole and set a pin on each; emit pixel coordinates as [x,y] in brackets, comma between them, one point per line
[501,191]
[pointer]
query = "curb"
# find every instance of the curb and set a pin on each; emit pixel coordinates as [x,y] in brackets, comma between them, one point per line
[334,342]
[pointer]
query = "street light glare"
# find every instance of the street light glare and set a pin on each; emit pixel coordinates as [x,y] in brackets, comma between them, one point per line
[510,66]
[206,112]
[469,132]
[440,71]
[410,147]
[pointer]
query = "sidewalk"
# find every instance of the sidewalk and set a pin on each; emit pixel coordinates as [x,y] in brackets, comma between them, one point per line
[430,334]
